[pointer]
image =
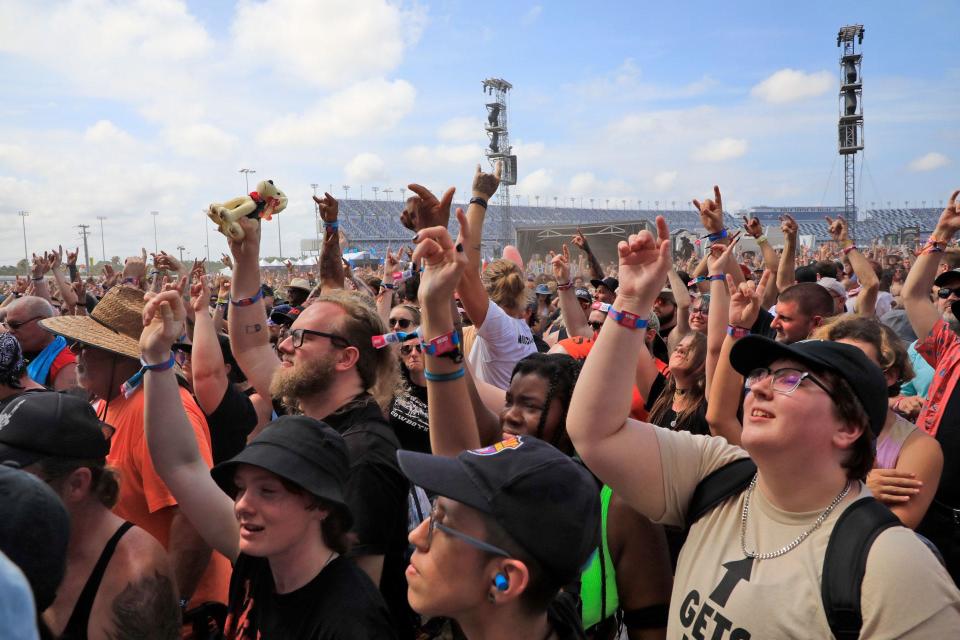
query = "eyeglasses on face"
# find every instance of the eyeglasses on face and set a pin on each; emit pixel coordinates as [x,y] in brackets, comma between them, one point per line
[403,323]
[436,522]
[704,311]
[297,336]
[13,325]
[945,292]
[785,380]
[407,349]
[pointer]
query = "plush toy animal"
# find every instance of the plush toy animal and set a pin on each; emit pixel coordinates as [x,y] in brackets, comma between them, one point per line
[255,205]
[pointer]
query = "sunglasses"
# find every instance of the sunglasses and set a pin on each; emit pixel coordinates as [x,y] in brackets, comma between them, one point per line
[407,349]
[403,323]
[945,292]
[596,325]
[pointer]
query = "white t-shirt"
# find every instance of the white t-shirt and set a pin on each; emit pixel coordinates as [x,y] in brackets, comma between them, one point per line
[884,303]
[718,593]
[501,342]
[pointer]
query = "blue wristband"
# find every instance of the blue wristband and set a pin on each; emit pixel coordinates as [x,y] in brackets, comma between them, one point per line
[246,302]
[444,377]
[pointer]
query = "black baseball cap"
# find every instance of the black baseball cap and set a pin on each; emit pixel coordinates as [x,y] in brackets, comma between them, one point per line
[307,452]
[285,314]
[610,283]
[864,377]
[548,503]
[582,294]
[34,531]
[48,424]
[947,276]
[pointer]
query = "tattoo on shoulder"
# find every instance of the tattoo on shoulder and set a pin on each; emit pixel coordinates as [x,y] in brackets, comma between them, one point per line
[253,328]
[148,609]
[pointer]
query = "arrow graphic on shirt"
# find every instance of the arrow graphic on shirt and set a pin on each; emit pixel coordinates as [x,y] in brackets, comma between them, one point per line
[737,570]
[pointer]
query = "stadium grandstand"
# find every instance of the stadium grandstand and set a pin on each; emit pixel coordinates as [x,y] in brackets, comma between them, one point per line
[373,225]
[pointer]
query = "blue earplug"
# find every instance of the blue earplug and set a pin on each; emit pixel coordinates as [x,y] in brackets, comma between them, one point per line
[501,582]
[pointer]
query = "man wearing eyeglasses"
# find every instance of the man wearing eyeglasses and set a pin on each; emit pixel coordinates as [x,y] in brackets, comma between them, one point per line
[50,362]
[936,325]
[328,368]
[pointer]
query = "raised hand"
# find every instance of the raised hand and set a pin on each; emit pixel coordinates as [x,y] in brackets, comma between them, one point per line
[837,229]
[949,222]
[486,184]
[163,321]
[226,260]
[248,249]
[41,265]
[199,293]
[720,254]
[56,257]
[644,263]
[745,300]
[561,264]
[444,260]
[72,257]
[21,285]
[329,207]
[580,242]
[166,262]
[136,266]
[423,210]
[788,225]
[711,212]
[753,226]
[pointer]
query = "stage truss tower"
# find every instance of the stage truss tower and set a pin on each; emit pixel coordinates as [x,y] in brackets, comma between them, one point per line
[499,149]
[850,39]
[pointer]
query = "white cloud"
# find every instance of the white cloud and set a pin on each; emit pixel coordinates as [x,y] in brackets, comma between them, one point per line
[328,44]
[929,162]
[462,129]
[537,182]
[532,15]
[365,167]
[367,107]
[720,150]
[444,156]
[104,131]
[200,140]
[527,151]
[664,180]
[790,85]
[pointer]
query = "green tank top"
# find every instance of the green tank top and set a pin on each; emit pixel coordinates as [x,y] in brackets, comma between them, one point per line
[598,582]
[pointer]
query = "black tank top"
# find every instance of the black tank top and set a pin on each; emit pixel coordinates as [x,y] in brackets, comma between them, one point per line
[76,628]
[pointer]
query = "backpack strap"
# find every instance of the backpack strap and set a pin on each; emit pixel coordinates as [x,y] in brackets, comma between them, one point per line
[729,480]
[846,561]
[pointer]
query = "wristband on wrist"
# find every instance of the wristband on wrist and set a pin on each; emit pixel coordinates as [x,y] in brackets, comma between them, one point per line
[221,301]
[627,319]
[761,239]
[246,302]
[403,276]
[737,332]
[847,250]
[446,345]
[713,237]
[444,377]
[379,342]
[130,386]
[387,285]
[134,281]
[699,279]
[601,306]
[563,286]
[478,200]
[38,279]
[331,227]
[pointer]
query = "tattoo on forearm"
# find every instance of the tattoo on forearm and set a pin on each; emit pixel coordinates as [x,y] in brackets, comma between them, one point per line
[253,328]
[146,609]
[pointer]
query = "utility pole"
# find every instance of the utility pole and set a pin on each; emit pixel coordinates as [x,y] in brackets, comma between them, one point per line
[180,248]
[103,246]
[86,253]
[316,210]
[26,255]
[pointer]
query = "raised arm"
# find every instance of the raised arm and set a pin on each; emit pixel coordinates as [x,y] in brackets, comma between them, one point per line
[67,294]
[786,270]
[721,266]
[593,265]
[453,426]
[622,452]
[921,311]
[573,317]
[209,371]
[170,438]
[472,293]
[249,338]
[41,264]
[866,302]
[331,256]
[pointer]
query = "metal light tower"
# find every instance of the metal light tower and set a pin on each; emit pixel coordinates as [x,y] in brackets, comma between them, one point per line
[86,252]
[26,254]
[103,245]
[246,177]
[499,149]
[316,211]
[156,242]
[851,117]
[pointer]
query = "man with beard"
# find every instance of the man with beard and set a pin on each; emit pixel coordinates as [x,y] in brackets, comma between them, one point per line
[665,306]
[936,325]
[329,369]
[801,308]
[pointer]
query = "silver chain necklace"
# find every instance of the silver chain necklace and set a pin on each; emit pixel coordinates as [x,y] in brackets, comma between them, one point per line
[803,536]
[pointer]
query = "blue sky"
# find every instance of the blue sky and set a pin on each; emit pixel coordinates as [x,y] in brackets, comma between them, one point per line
[120,108]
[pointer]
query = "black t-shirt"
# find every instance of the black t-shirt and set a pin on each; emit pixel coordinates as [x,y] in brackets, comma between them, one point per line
[12,397]
[948,435]
[409,418]
[762,325]
[340,603]
[695,423]
[376,493]
[231,423]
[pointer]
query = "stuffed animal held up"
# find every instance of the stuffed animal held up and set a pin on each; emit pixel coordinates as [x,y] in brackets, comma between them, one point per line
[256,205]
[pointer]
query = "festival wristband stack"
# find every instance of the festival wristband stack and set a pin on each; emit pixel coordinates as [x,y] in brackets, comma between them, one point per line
[246,302]
[699,279]
[129,387]
[933,246]
[627,319]
[446,345]
[563,286]
[737,332]
[379,342]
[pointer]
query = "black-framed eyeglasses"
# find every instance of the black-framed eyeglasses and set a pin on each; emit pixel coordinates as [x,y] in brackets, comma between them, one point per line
[436,517]
[297,336]
[785,380]
[704,311]
[403,323]
[407,349]
[596,325]
[944,292]
[13,325]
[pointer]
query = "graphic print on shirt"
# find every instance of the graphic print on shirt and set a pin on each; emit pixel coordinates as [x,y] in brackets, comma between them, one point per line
[242,628]
[706,621]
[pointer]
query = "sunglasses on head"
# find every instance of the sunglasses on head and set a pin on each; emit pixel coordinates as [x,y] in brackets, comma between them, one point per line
[407,349]
[403,323]
[945,292]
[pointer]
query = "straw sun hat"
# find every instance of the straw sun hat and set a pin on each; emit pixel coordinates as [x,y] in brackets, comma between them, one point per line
[115,324]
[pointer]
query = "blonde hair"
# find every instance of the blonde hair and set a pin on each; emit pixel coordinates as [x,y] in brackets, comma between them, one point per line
[378,368]
[505,285]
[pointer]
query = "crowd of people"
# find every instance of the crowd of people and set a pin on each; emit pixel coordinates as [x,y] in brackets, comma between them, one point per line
[703,445]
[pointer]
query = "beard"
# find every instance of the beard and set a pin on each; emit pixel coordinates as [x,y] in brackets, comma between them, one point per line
[308,378]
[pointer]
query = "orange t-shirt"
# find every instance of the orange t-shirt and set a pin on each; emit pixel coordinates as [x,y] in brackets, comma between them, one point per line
[144,498]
